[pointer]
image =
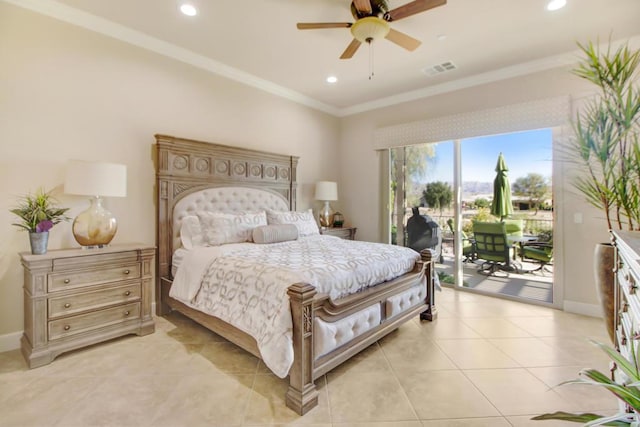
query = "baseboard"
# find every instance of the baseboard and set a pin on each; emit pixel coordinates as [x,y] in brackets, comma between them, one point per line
[593,310]
[10,341]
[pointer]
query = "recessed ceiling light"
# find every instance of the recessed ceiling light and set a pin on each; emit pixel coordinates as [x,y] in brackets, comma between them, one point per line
[441,37]
[188,9]
[332,79]
[556,4]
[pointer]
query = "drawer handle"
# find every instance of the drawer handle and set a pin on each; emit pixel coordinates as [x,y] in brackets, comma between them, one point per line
[67,327]
[126,313]
[126,294]
[127,272]
[67,281]
[67,305]
[632,288]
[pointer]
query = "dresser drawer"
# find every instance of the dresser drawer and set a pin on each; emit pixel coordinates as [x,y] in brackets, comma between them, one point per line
[86,322]
[76,279]
[76,303]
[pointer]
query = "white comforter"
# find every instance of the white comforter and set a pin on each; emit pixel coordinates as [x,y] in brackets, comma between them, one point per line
[245,284]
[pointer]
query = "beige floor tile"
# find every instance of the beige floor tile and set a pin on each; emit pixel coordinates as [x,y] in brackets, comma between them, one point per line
[214,400]
[516,391]
[177,327]
[409,331]
[415,356]
[267,404]
[228,357]
[475,354]
[526,421]
[45,401]
[495,328]
[561,324]
[468,422]
[533,352]
[121,401]
[582,350]
[445,394]
[382,424]
[358,397]
[583,397]
[370,360]
[447,328]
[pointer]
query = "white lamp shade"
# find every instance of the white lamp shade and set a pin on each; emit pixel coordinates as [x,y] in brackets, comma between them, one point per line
[96,179]
[326,190]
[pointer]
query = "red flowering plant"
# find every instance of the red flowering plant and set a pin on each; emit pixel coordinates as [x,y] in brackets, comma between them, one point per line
[38,213]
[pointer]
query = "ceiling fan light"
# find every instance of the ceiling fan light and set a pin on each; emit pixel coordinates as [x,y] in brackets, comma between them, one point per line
[188,9]
[370,28]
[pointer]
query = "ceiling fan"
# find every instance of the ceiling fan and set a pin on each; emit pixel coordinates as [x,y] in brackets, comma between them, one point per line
[372,22]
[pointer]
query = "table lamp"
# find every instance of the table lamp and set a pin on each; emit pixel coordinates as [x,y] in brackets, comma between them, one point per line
[95,227]
[326,191]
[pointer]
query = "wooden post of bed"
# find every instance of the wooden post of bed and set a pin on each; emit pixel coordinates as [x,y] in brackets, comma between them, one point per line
[302,394]
[428,257]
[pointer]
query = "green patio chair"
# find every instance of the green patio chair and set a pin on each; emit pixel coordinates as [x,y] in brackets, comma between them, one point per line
[492,246]
[468,245]
[538,252]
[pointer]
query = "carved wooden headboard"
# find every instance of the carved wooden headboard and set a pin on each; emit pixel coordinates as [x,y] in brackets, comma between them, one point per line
[184,166]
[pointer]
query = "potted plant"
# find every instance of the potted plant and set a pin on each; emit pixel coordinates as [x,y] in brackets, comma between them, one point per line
[605,148]
[628,391]
[38,214]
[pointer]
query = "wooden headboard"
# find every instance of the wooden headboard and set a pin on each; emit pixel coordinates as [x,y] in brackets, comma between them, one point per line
[184,166]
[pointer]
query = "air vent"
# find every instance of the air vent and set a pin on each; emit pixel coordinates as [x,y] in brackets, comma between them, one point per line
[440,68]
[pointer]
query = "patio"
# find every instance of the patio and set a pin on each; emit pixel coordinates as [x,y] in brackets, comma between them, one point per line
[536,286]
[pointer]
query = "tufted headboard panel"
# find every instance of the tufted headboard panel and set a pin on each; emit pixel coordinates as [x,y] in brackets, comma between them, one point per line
[225,199]
[191,175]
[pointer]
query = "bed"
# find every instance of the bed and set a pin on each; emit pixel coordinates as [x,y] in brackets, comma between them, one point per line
[323,331]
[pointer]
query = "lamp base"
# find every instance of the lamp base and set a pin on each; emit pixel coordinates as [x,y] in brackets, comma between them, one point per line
[95,227]
[326,215]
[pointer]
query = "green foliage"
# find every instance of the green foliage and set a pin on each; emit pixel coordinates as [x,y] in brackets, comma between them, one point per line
[606,135]
[534,187]
[34,209]
[481,202]
[483,215]
[628,392]
[438,195]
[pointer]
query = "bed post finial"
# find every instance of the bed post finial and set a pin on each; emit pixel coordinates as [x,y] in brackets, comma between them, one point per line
[302,394]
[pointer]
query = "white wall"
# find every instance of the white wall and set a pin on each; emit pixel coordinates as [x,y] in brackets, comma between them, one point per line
[360,179]
[67,93]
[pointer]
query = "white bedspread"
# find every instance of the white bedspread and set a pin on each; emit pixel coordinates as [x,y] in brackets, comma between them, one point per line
[246,284]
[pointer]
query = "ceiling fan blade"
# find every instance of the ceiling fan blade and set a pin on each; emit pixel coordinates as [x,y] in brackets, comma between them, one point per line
[363,6]
[412,8]
[351,49]
[403,40]
[320,25]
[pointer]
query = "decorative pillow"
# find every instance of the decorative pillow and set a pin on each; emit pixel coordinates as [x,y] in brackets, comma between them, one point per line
[304,221]
[275,233]
[191,232]
[219,228]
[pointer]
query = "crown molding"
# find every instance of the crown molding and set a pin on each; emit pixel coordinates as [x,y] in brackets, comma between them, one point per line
[111,29]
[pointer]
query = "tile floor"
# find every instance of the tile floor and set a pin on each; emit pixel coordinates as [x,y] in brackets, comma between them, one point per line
[483,362]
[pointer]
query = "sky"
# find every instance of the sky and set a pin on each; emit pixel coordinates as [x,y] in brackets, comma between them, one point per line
[524,152]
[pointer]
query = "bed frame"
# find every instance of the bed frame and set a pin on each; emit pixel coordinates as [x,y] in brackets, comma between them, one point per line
[186,166]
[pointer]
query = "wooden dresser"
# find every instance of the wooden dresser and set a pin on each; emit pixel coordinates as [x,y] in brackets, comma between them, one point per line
[627,295]
[348,233]
[78,297]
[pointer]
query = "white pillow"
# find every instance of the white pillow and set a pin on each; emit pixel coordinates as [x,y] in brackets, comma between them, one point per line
[191,232]
[275,233]
[219,228]
[304,221]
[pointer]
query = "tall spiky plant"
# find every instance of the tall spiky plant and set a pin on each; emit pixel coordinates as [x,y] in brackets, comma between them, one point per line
[606,135]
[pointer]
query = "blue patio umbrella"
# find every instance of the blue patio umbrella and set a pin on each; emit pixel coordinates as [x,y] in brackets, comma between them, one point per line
[501,204]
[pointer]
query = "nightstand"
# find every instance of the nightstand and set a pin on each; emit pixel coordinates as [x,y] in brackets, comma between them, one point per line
[77,297]
[348,233]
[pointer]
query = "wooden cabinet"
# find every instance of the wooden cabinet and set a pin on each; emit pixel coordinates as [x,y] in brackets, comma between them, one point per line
[627,297]
[78,297]
[348,233]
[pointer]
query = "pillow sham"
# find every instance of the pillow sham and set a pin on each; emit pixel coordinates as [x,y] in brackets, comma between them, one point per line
[219,228]
[304,221]
[191,232]
[275,233]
